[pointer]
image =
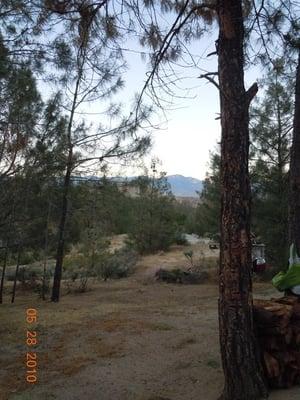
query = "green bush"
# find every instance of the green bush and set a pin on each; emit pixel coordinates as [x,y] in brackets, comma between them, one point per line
[10,274]
[77,269]
[180,239]
[154,224]
[27,257]
[118,265]
[26,275]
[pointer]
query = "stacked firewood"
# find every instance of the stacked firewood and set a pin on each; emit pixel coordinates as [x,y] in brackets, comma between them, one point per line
[277,324]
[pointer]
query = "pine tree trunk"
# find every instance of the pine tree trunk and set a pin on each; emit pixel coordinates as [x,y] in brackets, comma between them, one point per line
[6,252]
[61,231]
[294,195]
[240,358]
[16,274]
[46,253]
[69,167]
[3,273]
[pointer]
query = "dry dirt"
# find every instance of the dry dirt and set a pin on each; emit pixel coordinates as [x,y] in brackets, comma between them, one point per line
[132,339]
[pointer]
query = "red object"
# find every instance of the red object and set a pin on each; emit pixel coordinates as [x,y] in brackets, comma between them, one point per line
[259,268]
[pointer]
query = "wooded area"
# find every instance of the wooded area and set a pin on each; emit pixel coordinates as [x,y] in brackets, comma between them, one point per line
[59,57]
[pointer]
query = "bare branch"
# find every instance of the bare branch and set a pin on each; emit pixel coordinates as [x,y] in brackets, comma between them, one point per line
[172,33]
[207,76]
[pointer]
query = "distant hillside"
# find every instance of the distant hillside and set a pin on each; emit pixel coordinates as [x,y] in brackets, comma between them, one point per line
[183,186]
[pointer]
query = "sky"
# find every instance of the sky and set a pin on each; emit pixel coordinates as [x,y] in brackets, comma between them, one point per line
[188,131]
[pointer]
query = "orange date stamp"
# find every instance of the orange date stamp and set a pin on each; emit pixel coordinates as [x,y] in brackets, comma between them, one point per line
[31,341]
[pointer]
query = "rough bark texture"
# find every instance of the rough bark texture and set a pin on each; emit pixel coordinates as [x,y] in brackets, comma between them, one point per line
[241,362]
[294,199]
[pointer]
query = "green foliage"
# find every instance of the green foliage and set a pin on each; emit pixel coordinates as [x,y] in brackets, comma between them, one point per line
[20,106]
[100,205]
[270,213]
[154,220]
[118,265]
[189,256]
[209,208]
[186,217]
[78,267]
[180,239]
[270,129]
[271,124]
[180,276]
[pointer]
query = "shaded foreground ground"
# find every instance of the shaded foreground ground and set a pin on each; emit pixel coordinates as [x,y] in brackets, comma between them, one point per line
[124,340]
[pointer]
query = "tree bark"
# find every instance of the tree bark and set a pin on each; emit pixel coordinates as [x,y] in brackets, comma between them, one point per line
[294,195]
[16,274]
[240,358]
[46,253]
[3,273]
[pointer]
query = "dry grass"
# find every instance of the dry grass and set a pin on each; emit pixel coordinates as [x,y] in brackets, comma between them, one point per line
[106,349]
[75,365]
[122,340]
[185,342]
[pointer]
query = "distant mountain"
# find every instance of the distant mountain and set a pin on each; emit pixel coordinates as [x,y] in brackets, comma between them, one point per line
[184,186]
[181,186]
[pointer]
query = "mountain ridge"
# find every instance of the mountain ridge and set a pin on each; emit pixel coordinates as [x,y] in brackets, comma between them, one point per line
[184,186]
[181,186]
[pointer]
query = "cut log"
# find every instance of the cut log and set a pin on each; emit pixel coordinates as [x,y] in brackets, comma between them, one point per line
[277,325]
[272,365]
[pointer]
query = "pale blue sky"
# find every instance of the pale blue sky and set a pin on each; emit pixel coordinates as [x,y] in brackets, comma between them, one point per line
[188,130]
[184,141]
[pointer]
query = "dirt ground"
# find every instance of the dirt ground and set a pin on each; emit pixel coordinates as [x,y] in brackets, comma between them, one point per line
[132,339]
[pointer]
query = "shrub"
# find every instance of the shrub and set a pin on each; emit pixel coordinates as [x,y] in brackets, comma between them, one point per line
[10,274]
[31,278]
[77,269]
[27,275]
[27,257]
[181,276]
[180,239]
[118,265]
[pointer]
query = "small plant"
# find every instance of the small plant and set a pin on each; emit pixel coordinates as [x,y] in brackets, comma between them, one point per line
[189,256]
[213,364]
[161,326]
[83,282]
